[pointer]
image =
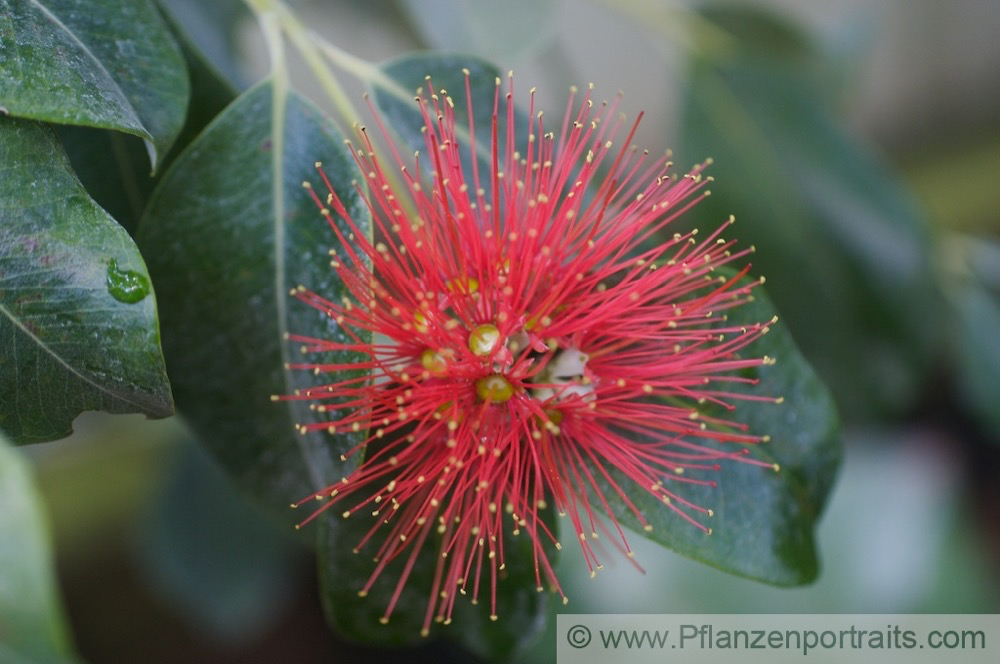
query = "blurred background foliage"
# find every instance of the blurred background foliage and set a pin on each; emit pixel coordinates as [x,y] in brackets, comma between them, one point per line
[858,144]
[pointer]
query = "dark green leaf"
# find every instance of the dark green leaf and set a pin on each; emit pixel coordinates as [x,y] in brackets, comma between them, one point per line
[210,91]
[213,557]
[109,64]
[78,326]
[845,248]
[764,521]
[343,573]
[521,609]
[213,30]
[114,167]
[225,246]
[32,627]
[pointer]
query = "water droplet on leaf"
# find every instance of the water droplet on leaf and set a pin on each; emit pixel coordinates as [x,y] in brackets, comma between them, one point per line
[125,285]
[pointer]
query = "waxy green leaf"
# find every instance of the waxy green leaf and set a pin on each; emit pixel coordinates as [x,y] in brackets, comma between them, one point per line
[114,167]
[32,626]
[108,64]
[78,326]
[229,231]
[764,521]
[213,29]
[845,248]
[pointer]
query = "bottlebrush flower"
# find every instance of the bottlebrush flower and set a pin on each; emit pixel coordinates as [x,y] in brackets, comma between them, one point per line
[531,330]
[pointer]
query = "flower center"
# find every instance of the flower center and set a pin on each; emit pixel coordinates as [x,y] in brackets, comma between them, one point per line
[504,366]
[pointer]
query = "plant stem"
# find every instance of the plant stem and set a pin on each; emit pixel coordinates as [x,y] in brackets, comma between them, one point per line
[305,42]
[277,19]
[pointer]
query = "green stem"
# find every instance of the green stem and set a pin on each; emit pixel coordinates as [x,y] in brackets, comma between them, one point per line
[311,45]
[348,62]
[276,19]
[260,7]
[305,42]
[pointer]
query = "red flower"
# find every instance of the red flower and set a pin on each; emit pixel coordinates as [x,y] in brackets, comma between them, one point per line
[530,332]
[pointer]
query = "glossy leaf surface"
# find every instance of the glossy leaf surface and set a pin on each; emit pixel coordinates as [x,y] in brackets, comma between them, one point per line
[78,324]
[109,64]
[229,231]
[764,521]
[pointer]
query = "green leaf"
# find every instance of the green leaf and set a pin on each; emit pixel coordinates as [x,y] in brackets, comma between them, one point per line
[228,232]
[109,64]
[213,30]
[114,167]
[32,625]
[211,92]
[222,566]
[844,246]
[521,609]
[499,31]
[78,326]
[764,521]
